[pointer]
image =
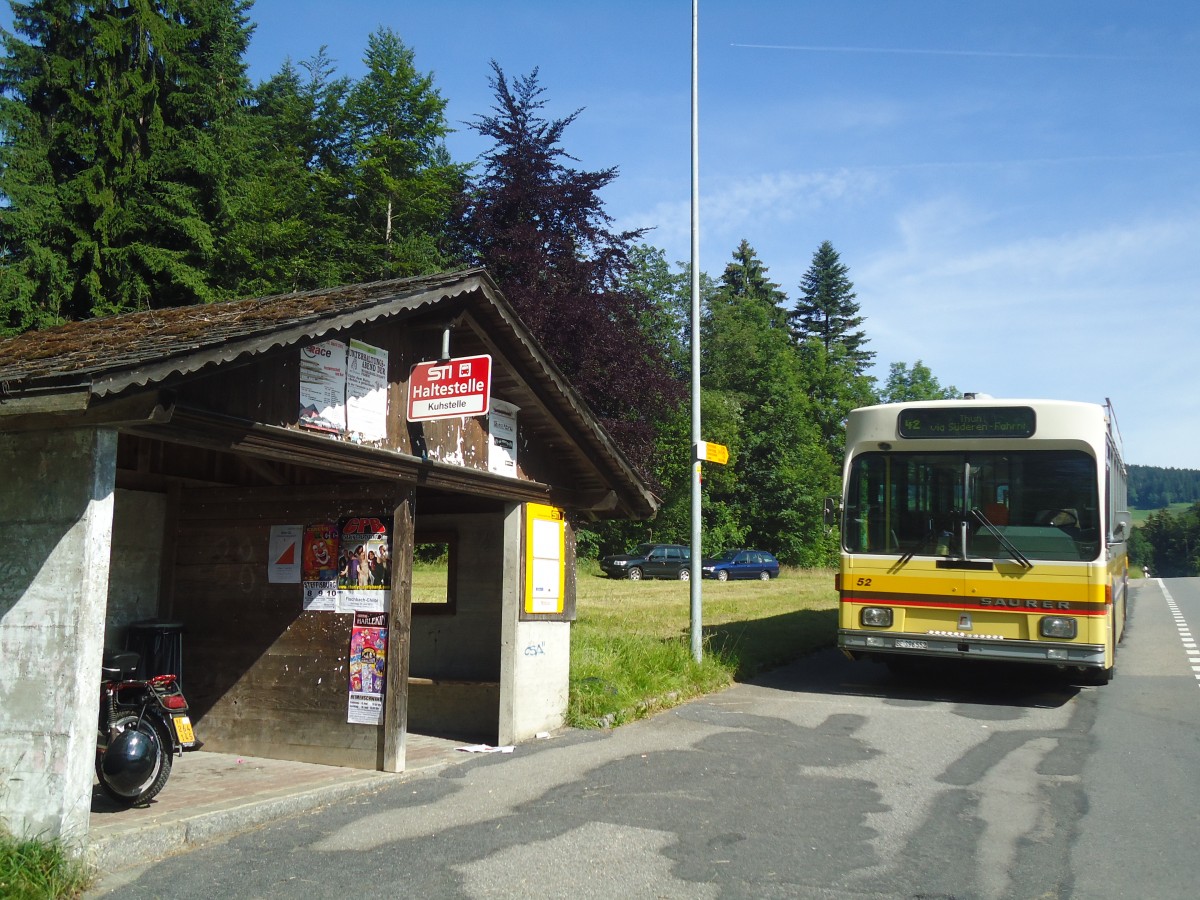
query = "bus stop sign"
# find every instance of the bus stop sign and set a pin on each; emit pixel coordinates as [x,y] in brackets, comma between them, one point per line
[450,388]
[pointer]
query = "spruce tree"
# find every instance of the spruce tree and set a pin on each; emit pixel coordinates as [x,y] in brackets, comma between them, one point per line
[127,132]
[826,328]
[295,229]
[827,309]
[405,186]
[42,133]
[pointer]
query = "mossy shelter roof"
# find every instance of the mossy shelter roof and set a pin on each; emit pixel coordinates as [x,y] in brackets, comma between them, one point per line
[50,376]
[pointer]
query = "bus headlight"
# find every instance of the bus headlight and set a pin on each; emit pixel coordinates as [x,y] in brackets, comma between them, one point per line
[1058,627]
[876,616]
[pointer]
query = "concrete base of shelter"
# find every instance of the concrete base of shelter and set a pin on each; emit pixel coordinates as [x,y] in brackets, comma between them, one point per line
[214,795]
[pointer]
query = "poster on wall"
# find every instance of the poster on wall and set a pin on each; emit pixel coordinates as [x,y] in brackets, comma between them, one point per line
[366,392]
[319,570]
[545,559]
[283,566]
[364,565]
[323,387]
[502,438]
[368,668]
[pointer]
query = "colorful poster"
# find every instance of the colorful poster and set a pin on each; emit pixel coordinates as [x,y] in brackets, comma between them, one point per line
[323,387]
[283,565]
[364,565]
[368,668]
[366,392]
[319,570]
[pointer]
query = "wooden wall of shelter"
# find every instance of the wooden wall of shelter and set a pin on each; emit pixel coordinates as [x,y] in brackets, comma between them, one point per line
[265,677]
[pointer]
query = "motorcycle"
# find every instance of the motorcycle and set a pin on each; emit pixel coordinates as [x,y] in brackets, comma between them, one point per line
[143,725]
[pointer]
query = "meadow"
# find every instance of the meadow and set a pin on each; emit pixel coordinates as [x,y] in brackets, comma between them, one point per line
[631,642]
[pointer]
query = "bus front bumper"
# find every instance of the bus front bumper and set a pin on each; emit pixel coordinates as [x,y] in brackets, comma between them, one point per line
[863,645]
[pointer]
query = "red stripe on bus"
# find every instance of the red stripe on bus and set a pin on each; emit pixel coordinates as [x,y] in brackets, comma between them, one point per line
[1010,604]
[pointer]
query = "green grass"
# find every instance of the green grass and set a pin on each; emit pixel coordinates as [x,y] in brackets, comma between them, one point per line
[1140,516]
[39,870]
[631,641]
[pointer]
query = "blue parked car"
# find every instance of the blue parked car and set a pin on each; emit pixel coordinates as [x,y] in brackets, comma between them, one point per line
[741,564]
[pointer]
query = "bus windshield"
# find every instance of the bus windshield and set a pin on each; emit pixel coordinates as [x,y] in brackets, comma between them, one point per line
[1044,504]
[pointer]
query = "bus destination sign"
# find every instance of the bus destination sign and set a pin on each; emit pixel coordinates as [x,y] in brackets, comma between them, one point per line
[976,422]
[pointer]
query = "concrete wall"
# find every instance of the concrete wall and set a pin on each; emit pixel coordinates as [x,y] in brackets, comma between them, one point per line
[137,544]
[541,673]
[536,655]
[56,511]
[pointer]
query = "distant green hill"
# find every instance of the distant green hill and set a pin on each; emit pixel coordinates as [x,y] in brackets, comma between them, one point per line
[1140,516]
[1153,487]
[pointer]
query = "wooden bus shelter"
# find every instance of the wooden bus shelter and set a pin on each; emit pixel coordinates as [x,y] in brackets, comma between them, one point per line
[167,469]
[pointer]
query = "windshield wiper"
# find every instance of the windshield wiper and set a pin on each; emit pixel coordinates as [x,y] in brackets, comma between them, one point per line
[920,548]
[1000,538]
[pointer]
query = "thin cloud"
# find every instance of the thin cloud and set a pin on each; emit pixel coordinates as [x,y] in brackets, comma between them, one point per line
[733,208]
[912,51]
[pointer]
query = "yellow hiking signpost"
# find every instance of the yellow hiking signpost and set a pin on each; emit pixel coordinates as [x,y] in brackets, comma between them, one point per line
[713,453]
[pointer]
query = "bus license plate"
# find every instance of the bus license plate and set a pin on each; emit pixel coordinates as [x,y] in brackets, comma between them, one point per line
[183,729]
[903,644]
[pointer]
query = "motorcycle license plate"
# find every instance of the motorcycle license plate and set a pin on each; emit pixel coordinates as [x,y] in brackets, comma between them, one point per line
[183,729]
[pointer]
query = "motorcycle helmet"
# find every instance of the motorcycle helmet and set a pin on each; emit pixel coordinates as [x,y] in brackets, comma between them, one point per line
[129,761]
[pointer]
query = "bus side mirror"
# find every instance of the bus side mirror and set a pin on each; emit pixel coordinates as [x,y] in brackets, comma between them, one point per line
[831,513]
[1122,526]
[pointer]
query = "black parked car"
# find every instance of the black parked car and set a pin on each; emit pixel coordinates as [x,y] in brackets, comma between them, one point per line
[650,561]
[741,564]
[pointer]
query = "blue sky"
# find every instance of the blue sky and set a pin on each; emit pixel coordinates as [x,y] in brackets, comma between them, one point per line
[1012,183]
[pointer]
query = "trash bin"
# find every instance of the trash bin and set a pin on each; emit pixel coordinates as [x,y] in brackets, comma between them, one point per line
[160,646]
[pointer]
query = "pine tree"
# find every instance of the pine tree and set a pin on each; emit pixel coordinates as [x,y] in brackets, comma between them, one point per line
[828,309]
[825,326]
[540,228]
[295,229]
[130,123]
[667,320]
[405,185]
[42,132]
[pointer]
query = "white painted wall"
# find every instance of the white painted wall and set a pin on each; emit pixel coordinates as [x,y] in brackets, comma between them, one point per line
[541,674]
[56,514]
[535,658]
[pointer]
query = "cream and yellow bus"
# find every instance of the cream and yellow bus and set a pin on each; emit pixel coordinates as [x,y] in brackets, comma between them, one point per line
[984,529]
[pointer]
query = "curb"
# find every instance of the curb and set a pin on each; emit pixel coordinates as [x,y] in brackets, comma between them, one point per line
[155,840]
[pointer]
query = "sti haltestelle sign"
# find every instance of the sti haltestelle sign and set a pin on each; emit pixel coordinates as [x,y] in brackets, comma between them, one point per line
[449,388]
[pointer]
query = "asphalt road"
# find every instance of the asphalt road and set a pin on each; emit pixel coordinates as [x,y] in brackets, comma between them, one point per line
[824,780]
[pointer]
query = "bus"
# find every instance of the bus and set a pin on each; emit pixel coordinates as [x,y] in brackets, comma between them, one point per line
[984,529]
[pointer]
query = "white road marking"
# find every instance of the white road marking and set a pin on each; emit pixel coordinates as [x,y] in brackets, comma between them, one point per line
[1185,633]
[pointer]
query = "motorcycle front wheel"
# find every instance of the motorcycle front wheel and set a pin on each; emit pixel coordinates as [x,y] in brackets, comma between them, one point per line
[135,778]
